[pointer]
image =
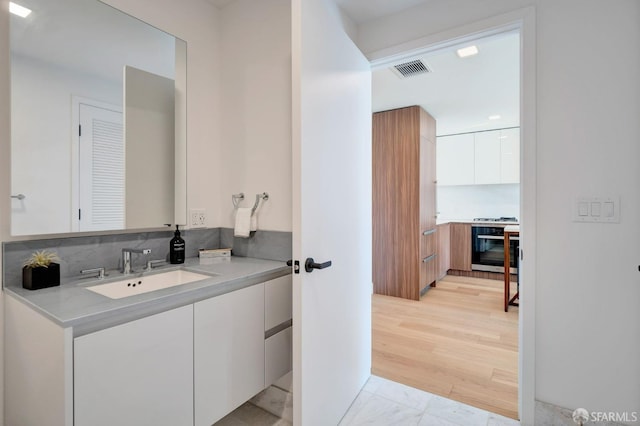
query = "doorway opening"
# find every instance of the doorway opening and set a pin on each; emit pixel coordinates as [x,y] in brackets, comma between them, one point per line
[457,341]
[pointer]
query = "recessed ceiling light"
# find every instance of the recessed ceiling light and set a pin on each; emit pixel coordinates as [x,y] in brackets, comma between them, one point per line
[494,117]
[467,51]
[16,9]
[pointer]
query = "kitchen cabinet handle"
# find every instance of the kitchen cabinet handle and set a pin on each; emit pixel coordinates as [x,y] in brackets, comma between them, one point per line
[310,264]
[429,232]
[429,258]
[491,237]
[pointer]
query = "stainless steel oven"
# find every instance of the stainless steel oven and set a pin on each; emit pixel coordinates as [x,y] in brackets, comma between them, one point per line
[487,253]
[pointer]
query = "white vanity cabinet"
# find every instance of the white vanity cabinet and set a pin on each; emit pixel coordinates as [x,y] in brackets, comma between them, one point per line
[190,365]
[228,352]
[138,373]
[242,344]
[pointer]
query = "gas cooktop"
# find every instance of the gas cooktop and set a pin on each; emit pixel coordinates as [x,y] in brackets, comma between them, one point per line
[495,219]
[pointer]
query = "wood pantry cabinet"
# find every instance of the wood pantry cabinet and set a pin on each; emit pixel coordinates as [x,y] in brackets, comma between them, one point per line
[404,216]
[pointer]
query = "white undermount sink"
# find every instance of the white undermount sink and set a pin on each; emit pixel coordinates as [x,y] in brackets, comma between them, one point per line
[144,284]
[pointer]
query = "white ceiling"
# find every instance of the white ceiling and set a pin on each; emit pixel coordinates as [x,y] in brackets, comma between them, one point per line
[460,93]
[360,10]
[366,10]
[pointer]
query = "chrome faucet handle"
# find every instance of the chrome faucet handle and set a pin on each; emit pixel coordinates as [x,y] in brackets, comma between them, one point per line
[99,272]
[152,263]
[138,251]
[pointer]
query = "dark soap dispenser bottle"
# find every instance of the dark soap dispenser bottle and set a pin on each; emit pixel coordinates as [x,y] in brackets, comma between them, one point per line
[176,248]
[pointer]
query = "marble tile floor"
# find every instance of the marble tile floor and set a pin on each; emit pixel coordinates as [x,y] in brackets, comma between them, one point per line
[386,403]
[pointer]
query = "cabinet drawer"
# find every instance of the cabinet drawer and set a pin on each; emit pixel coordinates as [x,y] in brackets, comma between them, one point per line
[277,301]
[277,355]
[428,242]
[428,271]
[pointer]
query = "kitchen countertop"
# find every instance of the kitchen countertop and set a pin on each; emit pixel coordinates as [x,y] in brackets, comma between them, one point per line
[72,305]
[474,222]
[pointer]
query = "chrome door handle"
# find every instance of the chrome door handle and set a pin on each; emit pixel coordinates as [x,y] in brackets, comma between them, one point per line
[19,196]
[310,265]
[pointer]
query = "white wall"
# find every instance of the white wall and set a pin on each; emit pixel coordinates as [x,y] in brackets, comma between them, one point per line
[464,202]
[587,318]
[41,132]
[256,112]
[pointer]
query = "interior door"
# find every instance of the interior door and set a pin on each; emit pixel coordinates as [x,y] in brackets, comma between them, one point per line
[101,169]
[331,214]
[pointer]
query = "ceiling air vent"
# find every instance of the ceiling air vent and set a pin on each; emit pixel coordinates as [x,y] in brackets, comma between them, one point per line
[409,69]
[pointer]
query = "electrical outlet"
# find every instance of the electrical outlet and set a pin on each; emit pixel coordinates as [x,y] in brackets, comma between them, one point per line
[198,218]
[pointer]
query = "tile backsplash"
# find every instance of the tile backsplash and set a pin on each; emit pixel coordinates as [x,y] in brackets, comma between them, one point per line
[77,253]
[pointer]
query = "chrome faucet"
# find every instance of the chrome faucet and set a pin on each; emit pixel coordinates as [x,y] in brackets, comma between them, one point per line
[126,258]
[99,272]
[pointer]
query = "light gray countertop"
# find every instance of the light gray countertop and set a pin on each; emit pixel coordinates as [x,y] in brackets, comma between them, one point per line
[473,222]
[72,305]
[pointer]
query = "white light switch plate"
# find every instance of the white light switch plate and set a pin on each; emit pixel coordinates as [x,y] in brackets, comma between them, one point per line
[596,209]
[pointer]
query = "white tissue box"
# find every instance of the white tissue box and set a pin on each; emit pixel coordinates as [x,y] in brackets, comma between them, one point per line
[208,257]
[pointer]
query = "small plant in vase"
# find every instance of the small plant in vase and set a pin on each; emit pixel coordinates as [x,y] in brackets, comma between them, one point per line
[41,270]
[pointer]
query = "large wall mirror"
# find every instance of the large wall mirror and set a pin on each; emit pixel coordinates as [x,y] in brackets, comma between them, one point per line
[98,120]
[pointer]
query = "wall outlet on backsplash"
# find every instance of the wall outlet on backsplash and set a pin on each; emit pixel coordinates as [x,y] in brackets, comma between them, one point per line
[198,218]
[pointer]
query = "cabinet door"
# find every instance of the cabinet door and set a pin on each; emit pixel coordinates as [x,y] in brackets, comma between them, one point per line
[228,352]
[460,246]
[487,157]
[138,373]
[510,156]
[444,250]
[455,160]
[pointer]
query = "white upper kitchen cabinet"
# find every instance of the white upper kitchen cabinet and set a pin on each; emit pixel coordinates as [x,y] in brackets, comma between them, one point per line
[482,158]
[455,160]
[487,157]
[510,155]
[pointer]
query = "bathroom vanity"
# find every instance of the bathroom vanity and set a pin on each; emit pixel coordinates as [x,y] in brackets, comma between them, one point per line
[182,355]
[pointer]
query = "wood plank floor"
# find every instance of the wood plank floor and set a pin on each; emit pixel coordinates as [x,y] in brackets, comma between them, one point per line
[456,342]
